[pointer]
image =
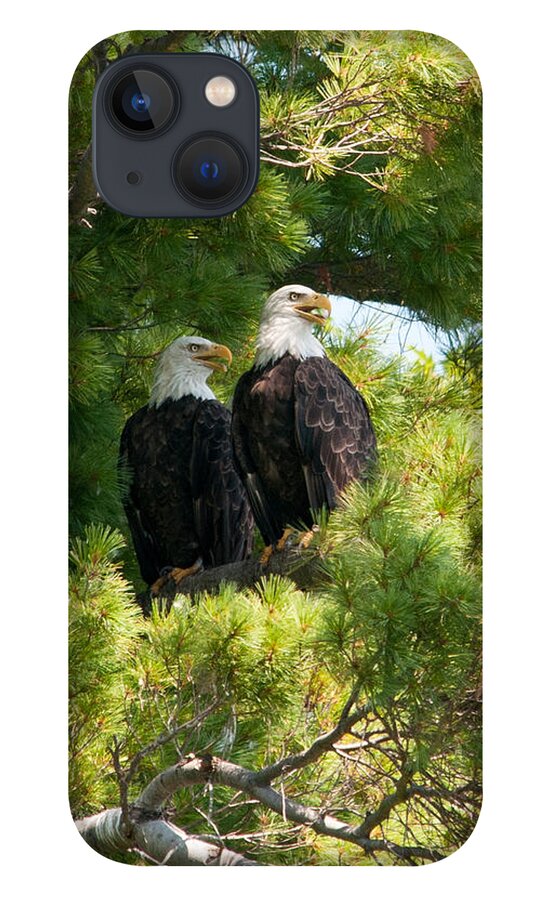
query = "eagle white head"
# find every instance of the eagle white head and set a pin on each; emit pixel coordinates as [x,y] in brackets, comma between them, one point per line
[184,368]
[286,324]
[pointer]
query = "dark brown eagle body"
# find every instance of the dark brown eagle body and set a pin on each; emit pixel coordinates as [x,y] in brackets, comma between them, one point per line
[301,433]
[185,499]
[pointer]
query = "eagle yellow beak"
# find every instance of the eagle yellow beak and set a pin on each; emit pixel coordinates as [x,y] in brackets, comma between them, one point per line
[315,309]
[214,356]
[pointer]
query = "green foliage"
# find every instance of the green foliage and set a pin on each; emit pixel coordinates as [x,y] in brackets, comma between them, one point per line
[399,226]
[396,613]
[104,626]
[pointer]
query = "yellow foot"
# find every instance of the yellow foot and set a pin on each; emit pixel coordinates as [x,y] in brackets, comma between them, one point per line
[282,542]
[158,585]
[176,575]
[265,555]
[307,537]
[281,545]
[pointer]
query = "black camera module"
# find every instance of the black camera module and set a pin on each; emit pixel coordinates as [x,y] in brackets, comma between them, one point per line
[161,148]
[210,169]
[143,101]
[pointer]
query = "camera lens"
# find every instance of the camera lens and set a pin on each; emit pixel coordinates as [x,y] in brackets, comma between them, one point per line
[209,169]
[142,101]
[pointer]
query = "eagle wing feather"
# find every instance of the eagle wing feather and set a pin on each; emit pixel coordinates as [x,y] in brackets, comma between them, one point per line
[222,517]
[334,434]
[147,551]
[259,502]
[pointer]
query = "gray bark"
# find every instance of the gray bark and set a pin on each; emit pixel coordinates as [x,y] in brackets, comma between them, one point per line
[301,566]
[149,833]
[200,770]
[144,828]
[158,840]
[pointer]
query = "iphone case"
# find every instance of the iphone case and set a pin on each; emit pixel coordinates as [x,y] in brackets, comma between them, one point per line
[275,473]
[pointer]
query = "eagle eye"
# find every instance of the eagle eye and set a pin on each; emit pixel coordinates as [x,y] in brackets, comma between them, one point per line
[293,295]
[194,347]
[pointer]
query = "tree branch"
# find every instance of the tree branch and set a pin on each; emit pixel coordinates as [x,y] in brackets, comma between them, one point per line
[169,845]
[83,190]
[158,840]
[165,43]
[319,746]
[301,566]
[387,804]
[206,769]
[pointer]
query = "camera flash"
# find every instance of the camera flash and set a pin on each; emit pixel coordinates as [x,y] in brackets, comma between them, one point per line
[220,91]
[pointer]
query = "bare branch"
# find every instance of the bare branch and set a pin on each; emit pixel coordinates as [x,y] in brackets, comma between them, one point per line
[322,745]
[202,769]
[157,840]
[388,803]
[83,190]
[168,736]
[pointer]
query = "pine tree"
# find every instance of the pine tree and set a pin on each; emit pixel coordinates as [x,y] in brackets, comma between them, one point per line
[255,675]
[369,188]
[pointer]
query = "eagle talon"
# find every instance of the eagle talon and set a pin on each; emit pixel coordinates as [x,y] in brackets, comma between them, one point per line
[307,537]
[266,555]
[176,575]
[281,545]
[282,542]
[160,582]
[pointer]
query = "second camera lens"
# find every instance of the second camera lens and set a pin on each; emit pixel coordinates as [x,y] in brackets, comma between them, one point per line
[142,101]
[210,169]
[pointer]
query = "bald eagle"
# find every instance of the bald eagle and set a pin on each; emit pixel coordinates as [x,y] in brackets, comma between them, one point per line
[185,503]
[301,431]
